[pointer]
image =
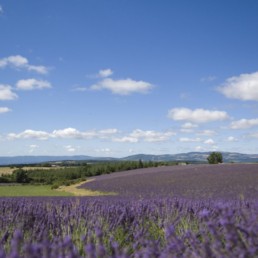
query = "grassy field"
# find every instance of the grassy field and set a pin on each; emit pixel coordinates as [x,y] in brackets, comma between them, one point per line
[30,190]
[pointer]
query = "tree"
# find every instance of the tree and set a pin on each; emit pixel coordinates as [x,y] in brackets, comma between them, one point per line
[140,164]
[21,176]
[215,158]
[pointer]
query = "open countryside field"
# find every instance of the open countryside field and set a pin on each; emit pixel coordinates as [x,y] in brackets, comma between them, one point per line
[9,170]
[180,211]
[30,190]
[222,181]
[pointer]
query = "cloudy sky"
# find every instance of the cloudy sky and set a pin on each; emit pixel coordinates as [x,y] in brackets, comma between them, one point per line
[122,77]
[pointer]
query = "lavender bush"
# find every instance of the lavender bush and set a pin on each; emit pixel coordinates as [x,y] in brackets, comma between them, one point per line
[127,227]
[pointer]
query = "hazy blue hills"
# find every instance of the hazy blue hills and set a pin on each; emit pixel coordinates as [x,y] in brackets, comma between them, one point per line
[43,159]
[183,157]
[196,157]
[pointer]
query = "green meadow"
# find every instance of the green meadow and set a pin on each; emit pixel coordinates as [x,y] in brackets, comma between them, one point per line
[30,190]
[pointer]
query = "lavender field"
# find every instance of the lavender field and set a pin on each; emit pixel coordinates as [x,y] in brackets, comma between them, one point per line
[182,211]
[220,182]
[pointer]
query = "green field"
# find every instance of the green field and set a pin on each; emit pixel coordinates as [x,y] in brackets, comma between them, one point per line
[30,190]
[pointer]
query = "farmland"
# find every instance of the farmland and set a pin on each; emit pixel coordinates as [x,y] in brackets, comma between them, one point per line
[30,190]
[174,211]
[9,170]
[224,181]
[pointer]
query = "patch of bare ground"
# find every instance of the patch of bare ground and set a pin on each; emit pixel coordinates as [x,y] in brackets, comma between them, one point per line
[73,189]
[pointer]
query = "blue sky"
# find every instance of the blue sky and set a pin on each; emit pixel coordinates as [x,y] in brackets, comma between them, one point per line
[122,77]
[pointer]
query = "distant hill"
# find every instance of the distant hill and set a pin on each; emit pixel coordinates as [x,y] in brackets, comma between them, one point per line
[42,159]
[194,157]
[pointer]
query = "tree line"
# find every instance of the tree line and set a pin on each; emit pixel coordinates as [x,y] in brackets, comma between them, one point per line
[70,175]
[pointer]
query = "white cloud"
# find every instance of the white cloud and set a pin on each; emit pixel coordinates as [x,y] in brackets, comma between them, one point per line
[123,87]
[206,132]
[209,141]
[39,69]
[188,127]
[197,115]
[33,147]
[151,136]
[69,148]
[126,139]
[199,148]
[105,73]
[232,139]
[4,110]
[243,87]
[185,139]
[29,134]
[147,136]
[21,62]
[6,93]
[74,133]
[67,133]
[1,10]
[103,150]
[32,84]
[244,123]
[106,133]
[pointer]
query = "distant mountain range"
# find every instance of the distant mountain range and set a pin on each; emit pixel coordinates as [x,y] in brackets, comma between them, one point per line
[181,157]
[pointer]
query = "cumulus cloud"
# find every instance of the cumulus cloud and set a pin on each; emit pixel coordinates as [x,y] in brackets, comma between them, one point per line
[67,133]
[123,87]
[199,148]
[244,123]
[243,87]
[21,62]
[29,134]
[32,84]
[74,133]
[209,141]
[197,115]
[126,139]
[147,136]
[33,147]
[188,127]
[70,148]
[6,93]
[4,110]
[185,139]
[105,73]
[151,136]
[206,132]
[111,133]
[232,139]
[104,150]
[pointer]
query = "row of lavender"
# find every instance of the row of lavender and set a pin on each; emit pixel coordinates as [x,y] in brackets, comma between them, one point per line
[126,227]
